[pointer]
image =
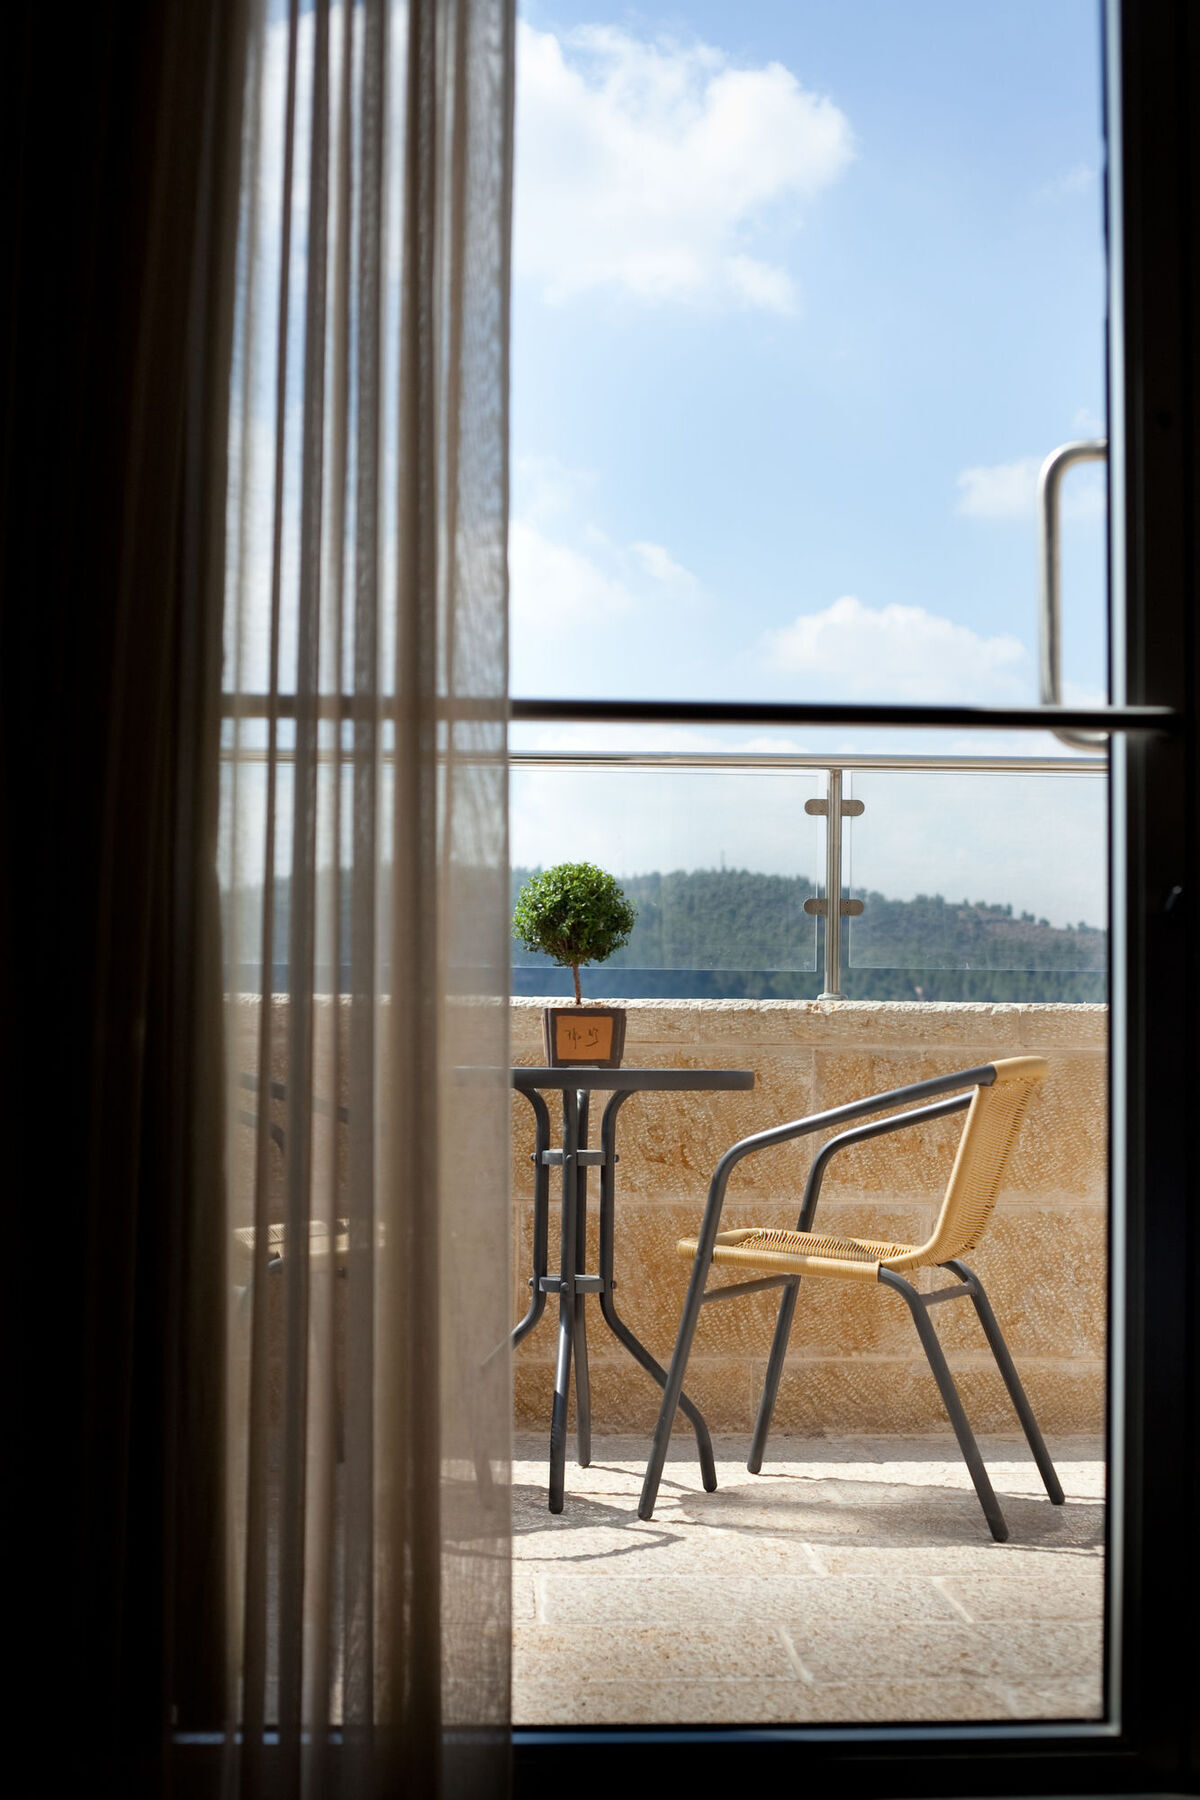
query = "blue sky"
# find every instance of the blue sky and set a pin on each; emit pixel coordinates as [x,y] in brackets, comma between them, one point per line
[804,293]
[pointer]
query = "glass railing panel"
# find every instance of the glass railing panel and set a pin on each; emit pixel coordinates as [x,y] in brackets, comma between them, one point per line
[719,865]
[242,860]
[986,886]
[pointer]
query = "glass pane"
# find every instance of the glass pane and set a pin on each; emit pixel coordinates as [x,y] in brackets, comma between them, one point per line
[804,295]
[719,866]
[242,862]
[960,900]
[886,1598]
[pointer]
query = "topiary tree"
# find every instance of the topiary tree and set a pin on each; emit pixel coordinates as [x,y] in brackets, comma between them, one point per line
[576,914]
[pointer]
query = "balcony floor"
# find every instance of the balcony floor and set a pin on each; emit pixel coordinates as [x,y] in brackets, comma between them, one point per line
[854,1580]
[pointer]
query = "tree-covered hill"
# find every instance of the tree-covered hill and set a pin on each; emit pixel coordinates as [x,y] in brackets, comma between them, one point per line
[738,934]
[735,933]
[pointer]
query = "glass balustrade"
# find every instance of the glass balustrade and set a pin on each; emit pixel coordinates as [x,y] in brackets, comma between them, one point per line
[969,878]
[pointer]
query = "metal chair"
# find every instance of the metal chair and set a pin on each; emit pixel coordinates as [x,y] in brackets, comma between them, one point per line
[998,1094]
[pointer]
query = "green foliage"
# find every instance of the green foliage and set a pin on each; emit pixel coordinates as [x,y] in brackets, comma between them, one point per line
[740,934]
[575,914]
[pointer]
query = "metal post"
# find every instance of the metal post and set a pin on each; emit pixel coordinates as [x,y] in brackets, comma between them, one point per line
[832,908]
[833,887]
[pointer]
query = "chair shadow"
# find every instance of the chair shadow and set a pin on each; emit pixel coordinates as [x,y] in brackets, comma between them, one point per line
[892,1514]
[582,1512]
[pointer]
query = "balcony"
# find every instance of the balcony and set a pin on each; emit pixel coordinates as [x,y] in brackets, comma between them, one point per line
[854,1578]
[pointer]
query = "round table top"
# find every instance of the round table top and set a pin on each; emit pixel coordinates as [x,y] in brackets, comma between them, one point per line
[628,1080]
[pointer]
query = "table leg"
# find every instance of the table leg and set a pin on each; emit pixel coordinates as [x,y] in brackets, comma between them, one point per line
[566,1299]
[583,1391]
[608,1306]
[541,1225]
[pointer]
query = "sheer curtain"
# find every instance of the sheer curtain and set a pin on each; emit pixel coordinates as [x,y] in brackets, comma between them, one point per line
[364,866]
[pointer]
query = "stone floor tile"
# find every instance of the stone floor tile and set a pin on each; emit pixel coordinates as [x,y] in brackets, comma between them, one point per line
[1074,1592]
[649,1652]
[525,1606]
[624,1702]
[591,1596]
[839,1650]
[761,1702]
[901,1702]
[982,1557]
[1081,1698]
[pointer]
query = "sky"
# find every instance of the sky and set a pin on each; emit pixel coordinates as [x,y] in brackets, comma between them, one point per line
[804,293]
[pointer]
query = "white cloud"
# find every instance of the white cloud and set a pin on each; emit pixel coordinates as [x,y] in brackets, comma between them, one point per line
[567,573]
[588,612]
[1009,491]
[557,588]
[659,563]
[1079,179]
[999,491]
[545,489]
[647,167]
[901,653]
[759,284]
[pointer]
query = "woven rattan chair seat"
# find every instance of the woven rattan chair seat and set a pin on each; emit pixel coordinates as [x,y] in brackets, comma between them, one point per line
[803,1252]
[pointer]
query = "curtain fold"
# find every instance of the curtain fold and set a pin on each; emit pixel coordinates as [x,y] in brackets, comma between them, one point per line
[364,861]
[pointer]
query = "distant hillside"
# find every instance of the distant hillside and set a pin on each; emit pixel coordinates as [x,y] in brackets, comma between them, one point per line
[732,933]
[735,934]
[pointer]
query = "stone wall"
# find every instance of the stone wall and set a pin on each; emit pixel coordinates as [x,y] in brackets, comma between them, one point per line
[854,1363]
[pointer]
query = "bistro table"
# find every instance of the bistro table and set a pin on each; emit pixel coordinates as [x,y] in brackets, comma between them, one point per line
[573,1284]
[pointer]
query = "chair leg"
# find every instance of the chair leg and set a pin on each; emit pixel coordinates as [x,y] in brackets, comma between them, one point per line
[674,1387]
[558,1414]
[766,1406]
[1012,1381]
[940,1369]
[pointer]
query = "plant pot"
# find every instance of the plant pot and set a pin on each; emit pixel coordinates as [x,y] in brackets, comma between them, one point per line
[591,1036]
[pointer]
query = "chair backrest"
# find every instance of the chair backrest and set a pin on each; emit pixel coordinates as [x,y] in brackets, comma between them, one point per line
[992,1124]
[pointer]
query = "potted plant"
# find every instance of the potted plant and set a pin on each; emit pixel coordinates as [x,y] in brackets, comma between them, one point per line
[576,914]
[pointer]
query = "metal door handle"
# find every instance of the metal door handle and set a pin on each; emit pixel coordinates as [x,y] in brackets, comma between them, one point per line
[1049,483]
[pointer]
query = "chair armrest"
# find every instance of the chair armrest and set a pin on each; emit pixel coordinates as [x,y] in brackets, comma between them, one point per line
[878,1128]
